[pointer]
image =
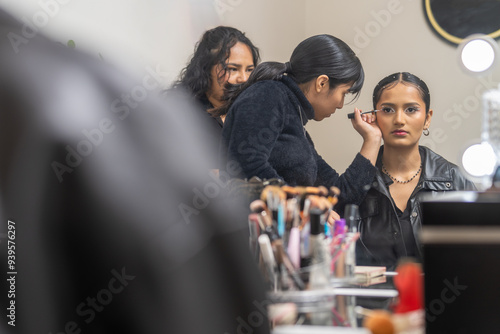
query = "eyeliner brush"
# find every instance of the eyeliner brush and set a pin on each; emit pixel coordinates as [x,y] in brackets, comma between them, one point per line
[351,115]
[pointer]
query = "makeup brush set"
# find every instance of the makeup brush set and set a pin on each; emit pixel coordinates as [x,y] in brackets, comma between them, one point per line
[296,241]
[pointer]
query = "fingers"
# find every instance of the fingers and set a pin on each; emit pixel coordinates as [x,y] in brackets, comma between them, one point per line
[332,218]
[367,117]
[357,115]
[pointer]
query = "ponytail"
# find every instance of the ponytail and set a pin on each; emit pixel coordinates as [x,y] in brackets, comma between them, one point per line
[315,56]
[270,70]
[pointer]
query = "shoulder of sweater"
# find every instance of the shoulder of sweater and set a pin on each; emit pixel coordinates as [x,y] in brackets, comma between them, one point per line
[266,89]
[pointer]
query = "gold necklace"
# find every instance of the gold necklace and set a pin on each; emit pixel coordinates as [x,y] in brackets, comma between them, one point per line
[398,181]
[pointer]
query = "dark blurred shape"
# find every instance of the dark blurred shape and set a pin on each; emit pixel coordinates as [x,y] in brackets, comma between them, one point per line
[118,226]
[461,243]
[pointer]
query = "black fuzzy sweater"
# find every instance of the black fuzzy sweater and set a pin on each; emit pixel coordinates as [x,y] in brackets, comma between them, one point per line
[264,133]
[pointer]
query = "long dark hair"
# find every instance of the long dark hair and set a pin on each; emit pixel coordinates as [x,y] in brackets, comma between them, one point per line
[212,49]
[407,79]
[315,56]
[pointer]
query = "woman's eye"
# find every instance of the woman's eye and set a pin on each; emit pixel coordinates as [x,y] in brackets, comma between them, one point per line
[411,110]
[387,110]
[232,69]
[250,70]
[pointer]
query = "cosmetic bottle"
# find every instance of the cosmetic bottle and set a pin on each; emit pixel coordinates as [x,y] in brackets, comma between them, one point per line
[320,258]
[352,220]
[338,252]
[319,276]
[351,216]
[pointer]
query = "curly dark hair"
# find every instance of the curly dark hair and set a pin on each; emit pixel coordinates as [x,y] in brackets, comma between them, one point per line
[212,49]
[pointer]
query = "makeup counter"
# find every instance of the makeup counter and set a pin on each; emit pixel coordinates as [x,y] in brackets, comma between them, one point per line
[315,286]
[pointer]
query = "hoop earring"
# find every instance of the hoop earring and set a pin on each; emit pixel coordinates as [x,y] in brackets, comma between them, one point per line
[426,132]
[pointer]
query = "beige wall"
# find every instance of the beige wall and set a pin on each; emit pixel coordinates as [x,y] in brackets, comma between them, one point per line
[392,36]
[388,35]
[275,26]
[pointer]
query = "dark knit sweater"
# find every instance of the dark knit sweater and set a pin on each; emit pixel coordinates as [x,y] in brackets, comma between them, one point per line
[264,133]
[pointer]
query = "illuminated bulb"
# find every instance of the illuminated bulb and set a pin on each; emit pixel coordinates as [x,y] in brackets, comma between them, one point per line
[479,160]
[478,55]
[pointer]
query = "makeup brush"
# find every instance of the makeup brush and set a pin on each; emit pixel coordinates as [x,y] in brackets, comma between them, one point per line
[351,115]
[275,199]
[255,226]
[272,193]
[269,259]
[290,192]
[293,245]
[258,206]
[333,195]
[284,259]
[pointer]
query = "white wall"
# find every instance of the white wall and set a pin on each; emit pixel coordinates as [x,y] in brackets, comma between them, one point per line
[130,34]
[275,26]
[388,35]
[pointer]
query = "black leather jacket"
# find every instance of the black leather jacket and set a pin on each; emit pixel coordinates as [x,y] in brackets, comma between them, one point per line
[381,242]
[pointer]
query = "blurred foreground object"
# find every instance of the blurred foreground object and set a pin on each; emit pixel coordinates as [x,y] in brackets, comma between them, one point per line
[118,226]
[461,243]
[379,322]
[410,285]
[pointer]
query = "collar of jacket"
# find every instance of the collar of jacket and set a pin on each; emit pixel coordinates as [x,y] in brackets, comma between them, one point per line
[436,171]
[306,107]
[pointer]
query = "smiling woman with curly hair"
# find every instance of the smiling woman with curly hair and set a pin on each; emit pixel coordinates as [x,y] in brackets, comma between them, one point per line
[223,55]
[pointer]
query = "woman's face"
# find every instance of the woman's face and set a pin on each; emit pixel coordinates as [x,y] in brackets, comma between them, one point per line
[402,116]
[327,101]
[239,66]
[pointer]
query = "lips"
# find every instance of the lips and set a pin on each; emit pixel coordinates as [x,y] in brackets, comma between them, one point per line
[399,133]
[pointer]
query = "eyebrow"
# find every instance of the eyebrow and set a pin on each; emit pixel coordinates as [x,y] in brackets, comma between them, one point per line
[238,65]
[406,104]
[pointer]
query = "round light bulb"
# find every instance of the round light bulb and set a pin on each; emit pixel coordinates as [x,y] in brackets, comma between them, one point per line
[478,55]
[479,160]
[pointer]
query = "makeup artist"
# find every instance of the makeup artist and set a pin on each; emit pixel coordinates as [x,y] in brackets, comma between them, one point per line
[264,130]
[223,55]
[390,213]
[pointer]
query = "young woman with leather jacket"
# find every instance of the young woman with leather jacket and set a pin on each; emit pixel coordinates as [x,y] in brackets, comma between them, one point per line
[390,216]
